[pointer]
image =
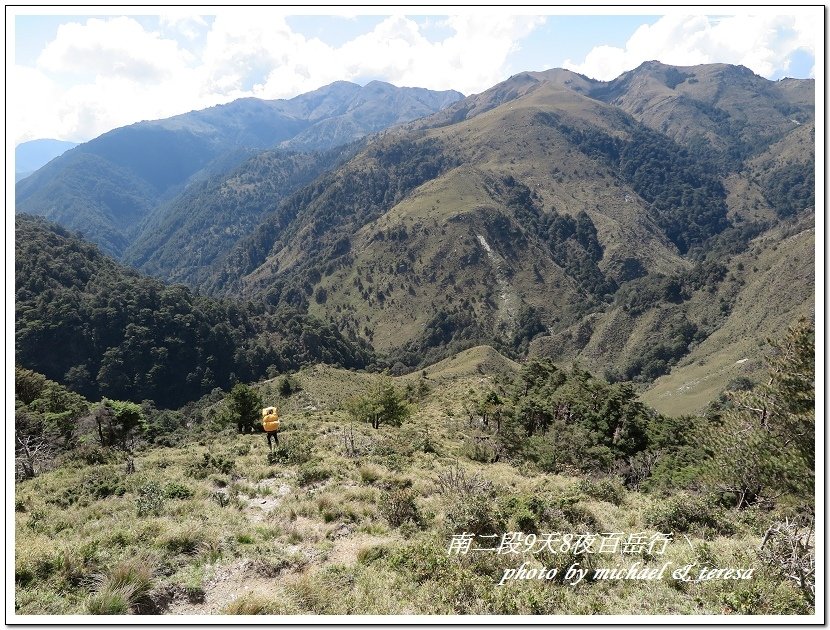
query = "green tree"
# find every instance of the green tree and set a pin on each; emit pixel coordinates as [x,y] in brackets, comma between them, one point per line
[245,406]
[118,423]
[285,388]
[54,408]
[569,419]
[383,404]
[765,443]
[61,409]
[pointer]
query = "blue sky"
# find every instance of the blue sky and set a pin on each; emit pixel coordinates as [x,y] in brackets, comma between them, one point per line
[81,75]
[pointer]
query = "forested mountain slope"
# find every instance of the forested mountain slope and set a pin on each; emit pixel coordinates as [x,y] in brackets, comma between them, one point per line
[86,321]
[180,241]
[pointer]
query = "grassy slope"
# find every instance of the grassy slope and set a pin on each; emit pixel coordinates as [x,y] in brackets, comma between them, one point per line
[770,286]
[289,544]
[769,299]
[778,287]
[445,216]
[443,222]
[394,287]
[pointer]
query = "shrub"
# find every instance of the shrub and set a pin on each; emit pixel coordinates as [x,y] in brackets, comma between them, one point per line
[455,480]
[608,489]
[37,521]
[185,541]
[523,513]
[98,483]
[75,565]
[425,443]
[104,482]
[394,462]
[175,490]
[421,560]
[788,547]
[399,507]
[371,553]
[684,513]
[219,481]
[579,516]
[28,568]
[474,514]
[479,450]
[369,474]
[209,464]
[150,499]
[312,472]
[294,448]
[288,385]
[92,454]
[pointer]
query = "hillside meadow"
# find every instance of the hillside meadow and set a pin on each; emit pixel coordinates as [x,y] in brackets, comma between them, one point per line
[345,519]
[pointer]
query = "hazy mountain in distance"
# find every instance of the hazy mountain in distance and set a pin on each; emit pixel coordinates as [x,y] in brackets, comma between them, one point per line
[107,186]
[30,156]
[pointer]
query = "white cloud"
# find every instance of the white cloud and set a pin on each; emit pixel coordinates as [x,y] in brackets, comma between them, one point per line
[118,47]
[101,73]
[471,59]
[474,58]
[31,106]
[763,43]
[243,47]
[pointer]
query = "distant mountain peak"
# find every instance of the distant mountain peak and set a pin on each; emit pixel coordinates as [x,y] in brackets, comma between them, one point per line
[30,156]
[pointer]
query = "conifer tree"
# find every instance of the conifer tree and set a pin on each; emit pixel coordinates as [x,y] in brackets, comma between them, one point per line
[245,405]
[765,444]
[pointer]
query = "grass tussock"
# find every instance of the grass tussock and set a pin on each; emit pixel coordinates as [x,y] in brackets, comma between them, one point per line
[255,604]
[123,590]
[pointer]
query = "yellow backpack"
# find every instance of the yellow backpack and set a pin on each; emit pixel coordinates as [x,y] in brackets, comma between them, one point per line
[270,419]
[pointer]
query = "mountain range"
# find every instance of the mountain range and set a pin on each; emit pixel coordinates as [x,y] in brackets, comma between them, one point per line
[653,228]
[106,187]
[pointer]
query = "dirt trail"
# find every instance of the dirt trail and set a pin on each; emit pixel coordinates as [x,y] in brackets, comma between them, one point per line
[239,577]
[227,584]
[231,579]
[258,507]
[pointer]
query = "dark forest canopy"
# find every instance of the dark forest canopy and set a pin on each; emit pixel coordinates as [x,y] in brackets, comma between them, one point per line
[101,329]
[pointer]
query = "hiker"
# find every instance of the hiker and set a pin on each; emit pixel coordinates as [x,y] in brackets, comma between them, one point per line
[271,425]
